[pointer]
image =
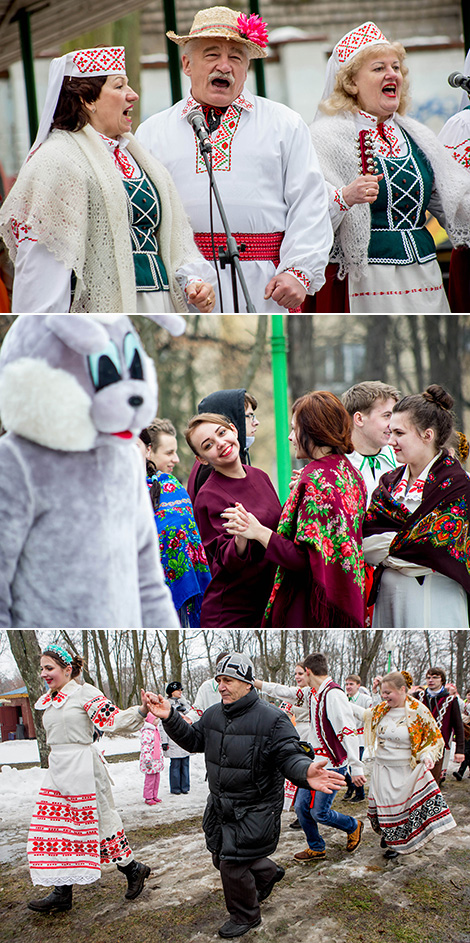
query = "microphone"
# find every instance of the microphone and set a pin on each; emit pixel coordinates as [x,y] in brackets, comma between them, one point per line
[457,80]
[199,126]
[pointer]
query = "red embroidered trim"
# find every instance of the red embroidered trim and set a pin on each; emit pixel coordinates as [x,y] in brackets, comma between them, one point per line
[115,848]
[258,246]
[101,711]
[339,199]
[302,277]
[407,291]
[20,232]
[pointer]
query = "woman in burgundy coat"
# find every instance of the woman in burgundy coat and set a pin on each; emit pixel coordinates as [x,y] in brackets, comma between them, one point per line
[241,577]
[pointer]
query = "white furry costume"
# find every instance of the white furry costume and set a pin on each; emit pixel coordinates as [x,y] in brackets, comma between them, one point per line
[79,546]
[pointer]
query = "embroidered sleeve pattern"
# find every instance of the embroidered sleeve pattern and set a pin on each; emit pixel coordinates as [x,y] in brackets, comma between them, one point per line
[101,711]
[340,201]
[300,276]
[21,232]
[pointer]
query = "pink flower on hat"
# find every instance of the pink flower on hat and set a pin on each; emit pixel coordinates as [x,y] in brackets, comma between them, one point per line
[253,28]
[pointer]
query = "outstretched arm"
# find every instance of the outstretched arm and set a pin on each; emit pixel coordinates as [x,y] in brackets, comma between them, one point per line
[324,780]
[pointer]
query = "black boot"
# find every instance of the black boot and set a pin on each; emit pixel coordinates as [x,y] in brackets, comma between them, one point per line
[136,874]
[59,899]
[348,794]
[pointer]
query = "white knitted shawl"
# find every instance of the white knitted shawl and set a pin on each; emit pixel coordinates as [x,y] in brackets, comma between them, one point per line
[335,140]
[72,197]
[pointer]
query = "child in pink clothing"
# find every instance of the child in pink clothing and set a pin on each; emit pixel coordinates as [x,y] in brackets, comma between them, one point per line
[151,758]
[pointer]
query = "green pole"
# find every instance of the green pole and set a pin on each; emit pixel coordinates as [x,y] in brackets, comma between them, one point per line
[172,50]
[259,65]
[23,17]
[281,411]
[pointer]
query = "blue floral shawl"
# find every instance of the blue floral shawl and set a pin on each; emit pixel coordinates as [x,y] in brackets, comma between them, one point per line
[183,556]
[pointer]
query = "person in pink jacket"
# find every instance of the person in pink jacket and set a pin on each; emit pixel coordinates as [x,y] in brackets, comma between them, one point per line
[151,758]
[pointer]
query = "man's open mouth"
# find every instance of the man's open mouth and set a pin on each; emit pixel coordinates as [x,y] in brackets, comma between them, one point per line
[221,83]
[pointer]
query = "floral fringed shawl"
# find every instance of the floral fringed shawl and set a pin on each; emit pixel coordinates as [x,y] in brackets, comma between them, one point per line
[437,533]
[424,733]
[182,554]
[324,515]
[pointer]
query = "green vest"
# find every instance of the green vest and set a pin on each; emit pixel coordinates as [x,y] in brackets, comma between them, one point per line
[398,234]
[144,209]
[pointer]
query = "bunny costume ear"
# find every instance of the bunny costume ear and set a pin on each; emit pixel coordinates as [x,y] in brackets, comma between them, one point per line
[79,332]
[174,323]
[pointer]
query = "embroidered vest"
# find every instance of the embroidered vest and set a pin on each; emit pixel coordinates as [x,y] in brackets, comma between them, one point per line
[144,209]
[324,730]
[398,233]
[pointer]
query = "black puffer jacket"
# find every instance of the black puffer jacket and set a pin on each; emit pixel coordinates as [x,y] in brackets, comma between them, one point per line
[250,747]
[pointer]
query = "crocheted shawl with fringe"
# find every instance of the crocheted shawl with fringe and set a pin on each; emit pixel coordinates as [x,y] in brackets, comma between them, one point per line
[335,138]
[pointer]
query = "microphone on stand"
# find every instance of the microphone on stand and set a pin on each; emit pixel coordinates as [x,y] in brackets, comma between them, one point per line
[457,80]
[199,126]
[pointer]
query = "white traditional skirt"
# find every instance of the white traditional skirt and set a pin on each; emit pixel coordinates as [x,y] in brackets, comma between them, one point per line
[410,289]
[406,806]
[75,826]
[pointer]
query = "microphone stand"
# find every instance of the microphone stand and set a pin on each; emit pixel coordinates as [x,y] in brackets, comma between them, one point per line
[231,254]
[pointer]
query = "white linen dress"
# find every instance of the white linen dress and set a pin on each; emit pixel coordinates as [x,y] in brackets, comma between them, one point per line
[405,806]
[75,827]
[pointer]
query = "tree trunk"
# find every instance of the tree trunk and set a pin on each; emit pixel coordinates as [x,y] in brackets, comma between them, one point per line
[114,691]
[376,365]
[174,651]
[27,654]
[369,651]
[461,645]
[300,354]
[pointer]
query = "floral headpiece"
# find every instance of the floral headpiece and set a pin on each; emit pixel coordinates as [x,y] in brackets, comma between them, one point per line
[228,24]
[253,28]
[61,652]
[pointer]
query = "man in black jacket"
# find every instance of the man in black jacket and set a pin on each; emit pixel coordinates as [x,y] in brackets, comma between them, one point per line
[250,747]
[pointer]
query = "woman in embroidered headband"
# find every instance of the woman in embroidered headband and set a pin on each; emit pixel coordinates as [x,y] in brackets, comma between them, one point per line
[94,223]
[318,545]
[383,172]
[406,807]
[416,527]
[242,577]
[75,826]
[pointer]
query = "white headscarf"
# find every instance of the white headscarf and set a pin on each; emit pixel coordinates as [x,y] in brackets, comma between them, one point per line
[367,34]
[103,60]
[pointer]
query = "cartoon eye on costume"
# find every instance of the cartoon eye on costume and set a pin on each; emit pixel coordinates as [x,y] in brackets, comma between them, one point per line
[132,357]
[105,367]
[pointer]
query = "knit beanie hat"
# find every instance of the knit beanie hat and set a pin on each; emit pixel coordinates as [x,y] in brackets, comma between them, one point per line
[236,665]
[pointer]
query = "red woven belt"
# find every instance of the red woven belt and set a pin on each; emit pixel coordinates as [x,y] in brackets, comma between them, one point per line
[260,246]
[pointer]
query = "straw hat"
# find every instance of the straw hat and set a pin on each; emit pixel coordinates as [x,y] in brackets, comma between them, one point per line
[228,24]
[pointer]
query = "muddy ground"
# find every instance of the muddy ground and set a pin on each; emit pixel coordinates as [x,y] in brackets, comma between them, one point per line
[358,898]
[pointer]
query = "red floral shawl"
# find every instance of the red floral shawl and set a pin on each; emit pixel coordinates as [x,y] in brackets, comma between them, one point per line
[324,514]
[436,534]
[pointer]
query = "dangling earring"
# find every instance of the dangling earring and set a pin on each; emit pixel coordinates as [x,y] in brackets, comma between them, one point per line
[93,110]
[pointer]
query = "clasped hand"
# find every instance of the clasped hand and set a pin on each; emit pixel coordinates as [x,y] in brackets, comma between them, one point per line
[240,522]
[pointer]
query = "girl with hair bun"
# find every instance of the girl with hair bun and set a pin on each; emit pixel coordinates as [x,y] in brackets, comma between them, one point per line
[318,545]
[75,826]
[416,528]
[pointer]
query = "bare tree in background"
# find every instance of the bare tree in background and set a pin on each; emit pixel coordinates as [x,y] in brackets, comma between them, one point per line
[300,354]
[26,651]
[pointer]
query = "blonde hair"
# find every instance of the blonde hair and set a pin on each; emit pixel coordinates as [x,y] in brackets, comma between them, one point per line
[343,97]
[215,418]
[396,679]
